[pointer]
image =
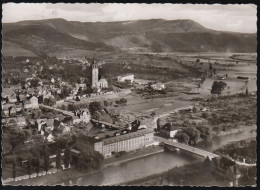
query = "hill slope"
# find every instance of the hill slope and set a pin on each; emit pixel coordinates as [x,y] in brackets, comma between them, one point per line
[157,35]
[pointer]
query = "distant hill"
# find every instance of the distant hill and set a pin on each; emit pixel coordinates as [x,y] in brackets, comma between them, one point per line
[56,35]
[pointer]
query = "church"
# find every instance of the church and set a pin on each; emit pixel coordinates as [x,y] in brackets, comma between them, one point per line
[96,83]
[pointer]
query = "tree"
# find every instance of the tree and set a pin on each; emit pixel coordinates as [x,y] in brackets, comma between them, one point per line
[58,159]
[14,168]
[67,157]
[6,146]
[95,106]
[210,66]
[29,166]
[46,159]
[72,107]
[182,137]
[123,100]
[106,103]
[34,82]
[94,90]
[218,87]
[158,124]
[38,163]
[195,109]
[246,91]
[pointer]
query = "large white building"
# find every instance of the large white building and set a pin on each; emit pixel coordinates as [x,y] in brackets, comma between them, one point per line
[125,142]
[123,78]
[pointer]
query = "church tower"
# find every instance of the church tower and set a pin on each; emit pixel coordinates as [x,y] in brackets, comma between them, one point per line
[94,74]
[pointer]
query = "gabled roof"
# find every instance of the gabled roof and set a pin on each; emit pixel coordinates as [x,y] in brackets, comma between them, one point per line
[125,75]
[127,136]
[50,122]
[20,119]
[27,102]
[102,80]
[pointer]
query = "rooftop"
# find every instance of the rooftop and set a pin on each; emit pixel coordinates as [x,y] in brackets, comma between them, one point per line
[126,75]
[127,136]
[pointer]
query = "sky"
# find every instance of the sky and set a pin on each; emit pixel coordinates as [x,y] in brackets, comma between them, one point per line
[231,17]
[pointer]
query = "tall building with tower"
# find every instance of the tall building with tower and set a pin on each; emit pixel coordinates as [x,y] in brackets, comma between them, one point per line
[94,74]
[96,83]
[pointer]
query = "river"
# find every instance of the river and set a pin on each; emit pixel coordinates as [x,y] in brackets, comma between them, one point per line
[154,164]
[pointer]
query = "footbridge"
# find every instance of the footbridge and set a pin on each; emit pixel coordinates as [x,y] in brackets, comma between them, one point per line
[187,148]
[64,112]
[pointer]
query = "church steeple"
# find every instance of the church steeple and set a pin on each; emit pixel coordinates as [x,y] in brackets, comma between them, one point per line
[94,63]
[94,73]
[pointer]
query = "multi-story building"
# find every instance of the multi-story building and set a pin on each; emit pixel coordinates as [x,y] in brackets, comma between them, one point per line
[125,142]
[123,78]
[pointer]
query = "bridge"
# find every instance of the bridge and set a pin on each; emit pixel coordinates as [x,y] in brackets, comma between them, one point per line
[187,148]
[64,112]
[106,123]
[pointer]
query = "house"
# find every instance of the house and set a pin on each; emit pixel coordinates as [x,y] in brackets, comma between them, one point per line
[12,98]
[168,130]
[158,86]
[27,104]
[50,124]
[13,111]
[49,137]
[9,122]
[22,97]
[41,124]
[5,111]
[85,116]
[6,107]
[127,77]
[34,102]
[18,107]
[102,83]
[21,122]
[76,119]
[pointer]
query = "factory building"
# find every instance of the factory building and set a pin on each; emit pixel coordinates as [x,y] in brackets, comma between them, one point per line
[125,142]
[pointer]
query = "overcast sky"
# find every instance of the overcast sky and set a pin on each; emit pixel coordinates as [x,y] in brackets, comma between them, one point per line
[238,18]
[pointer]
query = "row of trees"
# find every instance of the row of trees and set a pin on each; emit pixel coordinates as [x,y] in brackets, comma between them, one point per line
[36,162]
[192,133]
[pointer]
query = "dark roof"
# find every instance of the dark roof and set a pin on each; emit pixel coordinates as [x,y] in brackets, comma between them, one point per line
[127,136]
[169,127]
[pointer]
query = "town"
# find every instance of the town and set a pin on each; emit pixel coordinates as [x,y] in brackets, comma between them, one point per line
[125,115]
[45,114]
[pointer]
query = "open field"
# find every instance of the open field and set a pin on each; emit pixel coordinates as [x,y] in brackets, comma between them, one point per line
[11,49]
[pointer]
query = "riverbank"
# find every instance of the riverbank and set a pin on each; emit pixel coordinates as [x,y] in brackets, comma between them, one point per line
[241,128]
[133,155]
[195,174]
[71,174]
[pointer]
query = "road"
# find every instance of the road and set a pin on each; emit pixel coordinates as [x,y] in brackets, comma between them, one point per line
[58,110]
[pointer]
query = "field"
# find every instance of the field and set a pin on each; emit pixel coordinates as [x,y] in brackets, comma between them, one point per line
[11,49]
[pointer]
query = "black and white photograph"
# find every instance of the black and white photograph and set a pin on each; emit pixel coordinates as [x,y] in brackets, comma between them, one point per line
[129,94]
